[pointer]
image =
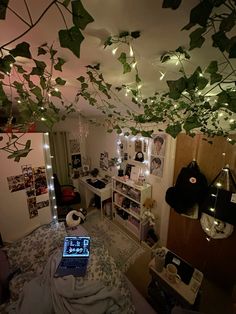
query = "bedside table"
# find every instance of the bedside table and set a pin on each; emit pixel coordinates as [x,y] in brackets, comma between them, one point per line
[165,294]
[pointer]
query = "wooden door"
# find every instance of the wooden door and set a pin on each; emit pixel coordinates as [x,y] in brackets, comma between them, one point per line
[215,258]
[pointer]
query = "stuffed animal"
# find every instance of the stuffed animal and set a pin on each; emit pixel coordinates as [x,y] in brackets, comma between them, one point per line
[76,217]
[147,214]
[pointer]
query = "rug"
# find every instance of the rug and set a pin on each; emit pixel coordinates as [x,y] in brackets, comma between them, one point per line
[121,247]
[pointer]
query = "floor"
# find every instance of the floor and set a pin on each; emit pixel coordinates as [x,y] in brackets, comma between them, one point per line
[214,300]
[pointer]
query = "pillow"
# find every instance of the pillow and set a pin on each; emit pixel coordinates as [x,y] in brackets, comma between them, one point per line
[35,248]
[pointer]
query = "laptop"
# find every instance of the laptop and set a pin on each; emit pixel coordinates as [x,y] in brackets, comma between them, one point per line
[75,256]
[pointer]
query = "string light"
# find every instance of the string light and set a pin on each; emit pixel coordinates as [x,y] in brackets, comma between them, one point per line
[19,102]
[43,119]
[46,146]
[49,166]
[162,75]
[231,120]
[114,50]
[131,52]
[134,64]
[56,89]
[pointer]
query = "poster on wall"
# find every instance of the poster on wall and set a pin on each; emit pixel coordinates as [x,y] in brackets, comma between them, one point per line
[156,166]
[27,171]
[32,207]
[40,180]
[16,183]
[76,161]
[159,144]
[42,204]
[104,161]
[30,192]
[74,146]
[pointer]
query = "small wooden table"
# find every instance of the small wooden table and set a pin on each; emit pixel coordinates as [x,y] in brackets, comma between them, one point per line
[184,294]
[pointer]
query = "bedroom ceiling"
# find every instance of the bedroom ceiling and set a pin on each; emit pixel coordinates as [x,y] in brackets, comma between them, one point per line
[160,31]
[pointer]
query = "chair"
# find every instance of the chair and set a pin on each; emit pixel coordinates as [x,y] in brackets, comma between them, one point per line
[66,197]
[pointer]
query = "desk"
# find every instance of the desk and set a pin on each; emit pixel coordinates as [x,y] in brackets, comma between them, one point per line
[87,191]
[182,293]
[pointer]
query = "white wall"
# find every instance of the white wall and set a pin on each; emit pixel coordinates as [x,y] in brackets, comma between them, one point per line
[14,214]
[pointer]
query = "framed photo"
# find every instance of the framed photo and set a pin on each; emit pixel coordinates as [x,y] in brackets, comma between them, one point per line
[76,161]
[134,175]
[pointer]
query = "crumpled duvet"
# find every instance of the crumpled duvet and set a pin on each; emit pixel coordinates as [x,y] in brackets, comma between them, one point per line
[47,295]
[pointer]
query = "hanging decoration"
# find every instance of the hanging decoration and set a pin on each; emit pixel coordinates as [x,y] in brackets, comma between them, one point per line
[219,207]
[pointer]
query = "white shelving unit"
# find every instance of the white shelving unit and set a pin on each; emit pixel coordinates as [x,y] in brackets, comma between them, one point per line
[127,204]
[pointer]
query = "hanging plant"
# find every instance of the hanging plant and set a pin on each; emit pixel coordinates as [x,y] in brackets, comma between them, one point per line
[29,94]
[203,101]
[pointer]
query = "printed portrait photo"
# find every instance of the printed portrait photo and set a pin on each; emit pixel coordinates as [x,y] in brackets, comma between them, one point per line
[159,144]
[156,166]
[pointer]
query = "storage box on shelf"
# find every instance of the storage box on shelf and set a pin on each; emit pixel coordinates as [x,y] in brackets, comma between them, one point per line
[127,204]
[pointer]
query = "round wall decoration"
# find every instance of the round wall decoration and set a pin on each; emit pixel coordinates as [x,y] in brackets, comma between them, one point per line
[214,228]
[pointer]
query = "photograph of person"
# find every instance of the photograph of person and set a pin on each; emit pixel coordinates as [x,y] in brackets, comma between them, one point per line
[157,164]
[158,146]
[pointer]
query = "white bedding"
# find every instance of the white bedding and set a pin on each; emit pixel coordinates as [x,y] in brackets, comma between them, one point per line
[38,249]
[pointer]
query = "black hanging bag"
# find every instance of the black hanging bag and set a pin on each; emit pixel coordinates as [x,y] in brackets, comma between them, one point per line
[190,189]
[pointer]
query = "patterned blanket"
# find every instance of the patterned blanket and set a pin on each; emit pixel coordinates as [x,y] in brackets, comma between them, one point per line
[35,251]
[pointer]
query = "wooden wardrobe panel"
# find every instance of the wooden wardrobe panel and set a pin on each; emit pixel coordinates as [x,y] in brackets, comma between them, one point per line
[215,258]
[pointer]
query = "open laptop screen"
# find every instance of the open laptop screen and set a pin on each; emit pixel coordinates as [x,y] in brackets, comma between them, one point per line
[76,247]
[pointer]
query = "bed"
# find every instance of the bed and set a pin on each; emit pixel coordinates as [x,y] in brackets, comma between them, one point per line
[33,289]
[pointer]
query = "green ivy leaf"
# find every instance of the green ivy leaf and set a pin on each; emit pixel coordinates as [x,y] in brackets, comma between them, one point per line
[201,12]
[135,34]
[56,94]
[3,9]
[122,58]
[19,68]
[41,51]
[221,41]
[21,50]
[216,77]
[192,123]
[228,22]
[81,79]
[201,82]
[123,34]
[66,3]
[43,82]
[71,39]
[212,67]
[39,69]
[81,17]
[5,64]
[126,68]
[108,42]
[174,130]
[196,38]
[37,92]
[173,4]
[60,81]
[176,88]
[59,64]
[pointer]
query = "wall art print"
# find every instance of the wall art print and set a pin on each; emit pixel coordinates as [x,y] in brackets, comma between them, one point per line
[16,183]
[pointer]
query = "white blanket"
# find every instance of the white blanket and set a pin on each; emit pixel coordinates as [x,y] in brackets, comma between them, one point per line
[47,295]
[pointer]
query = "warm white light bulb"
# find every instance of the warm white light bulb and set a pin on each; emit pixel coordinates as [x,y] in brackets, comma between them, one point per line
[131,52]
[134,64]
[212,209]
[43,119]
[114,50]
[162,75]
[49,166]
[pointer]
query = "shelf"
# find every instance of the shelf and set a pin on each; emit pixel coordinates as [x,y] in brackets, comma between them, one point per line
[139,194]
[128,211]
[127,196]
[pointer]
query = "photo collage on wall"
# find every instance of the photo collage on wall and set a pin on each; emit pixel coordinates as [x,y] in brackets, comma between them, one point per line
[158,154]
[76,162]
[34,182]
